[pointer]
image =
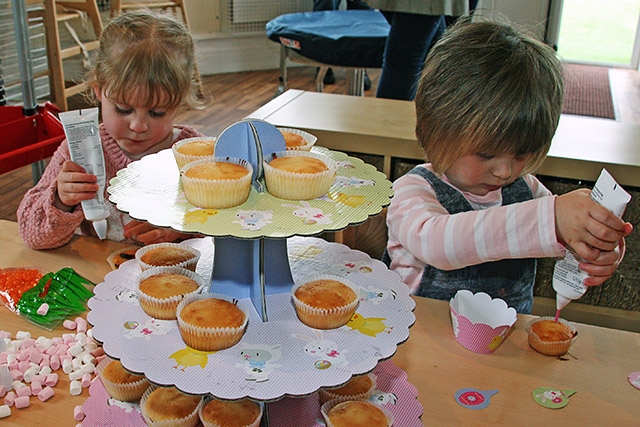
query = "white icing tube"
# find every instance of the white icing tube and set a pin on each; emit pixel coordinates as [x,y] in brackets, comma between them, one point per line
[568,279]
[83,136]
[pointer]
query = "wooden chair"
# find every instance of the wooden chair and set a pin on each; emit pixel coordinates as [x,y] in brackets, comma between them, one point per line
[54,13]
[117,6]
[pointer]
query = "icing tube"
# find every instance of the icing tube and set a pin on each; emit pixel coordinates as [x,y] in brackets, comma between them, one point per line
[83,136]
[568,279]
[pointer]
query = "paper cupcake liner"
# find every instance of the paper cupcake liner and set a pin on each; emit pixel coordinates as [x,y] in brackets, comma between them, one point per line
[550,348]
[190,420]
[207,339]
[125,392]
[299,186]
[165,308]
[189,264]
[321,318]
[183,159]
[208,399]
[326,395]
[217,193]
[309,139]
[326,407]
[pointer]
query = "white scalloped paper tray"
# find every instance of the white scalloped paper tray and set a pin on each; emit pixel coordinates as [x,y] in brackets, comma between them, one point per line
[393,392]
[150,189]
[292,359]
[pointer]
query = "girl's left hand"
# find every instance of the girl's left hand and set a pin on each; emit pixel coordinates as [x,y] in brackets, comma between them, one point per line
[603,267]
[147,234]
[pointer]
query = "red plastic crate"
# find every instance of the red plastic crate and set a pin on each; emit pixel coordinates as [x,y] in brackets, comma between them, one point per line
[26,140]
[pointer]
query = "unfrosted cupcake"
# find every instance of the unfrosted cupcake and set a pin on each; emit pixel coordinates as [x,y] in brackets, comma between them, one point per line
[169,407]
[297,139]
[207,323]
[119,383]
[160,290]
[355,413]
[359,387]
[299,175]
[168,255]
[325,302]
[549,337]
[216,183]
[225,413]
[191,149]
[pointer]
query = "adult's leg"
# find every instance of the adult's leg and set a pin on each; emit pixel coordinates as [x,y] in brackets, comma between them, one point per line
[408,43]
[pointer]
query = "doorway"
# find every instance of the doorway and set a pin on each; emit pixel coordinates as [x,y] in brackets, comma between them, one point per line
[597,32]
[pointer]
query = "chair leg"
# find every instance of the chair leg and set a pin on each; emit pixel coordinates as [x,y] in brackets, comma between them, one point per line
[355,81]
[56,73]
[282,80]
[322,71]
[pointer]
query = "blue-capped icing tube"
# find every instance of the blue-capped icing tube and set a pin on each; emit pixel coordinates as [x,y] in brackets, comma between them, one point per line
[568,279]
[83,136]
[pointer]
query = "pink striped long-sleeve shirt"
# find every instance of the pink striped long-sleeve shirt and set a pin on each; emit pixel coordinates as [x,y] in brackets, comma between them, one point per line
[421,231]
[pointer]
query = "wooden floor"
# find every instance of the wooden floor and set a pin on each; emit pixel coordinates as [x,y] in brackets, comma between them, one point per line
[236,95]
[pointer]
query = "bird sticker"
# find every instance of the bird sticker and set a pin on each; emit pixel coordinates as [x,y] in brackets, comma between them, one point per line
[188,357]
[200,216]
[370,326]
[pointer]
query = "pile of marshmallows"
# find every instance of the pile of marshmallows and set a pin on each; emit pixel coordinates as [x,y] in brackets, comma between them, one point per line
[28,366]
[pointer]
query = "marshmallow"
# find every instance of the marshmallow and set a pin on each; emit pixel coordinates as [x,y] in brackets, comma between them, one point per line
[5,411]
[51,380]
[10,398]
[75,388]
[21,335]
[46,393]
[43,309]
[78,413]
[69,324]
[22,402]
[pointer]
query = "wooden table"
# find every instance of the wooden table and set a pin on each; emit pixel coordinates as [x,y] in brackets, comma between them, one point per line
[435,363]
[581,147]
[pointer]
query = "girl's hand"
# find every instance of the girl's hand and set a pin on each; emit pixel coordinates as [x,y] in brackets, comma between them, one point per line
[587,227]
[74,186]
[603,267]
[147,234]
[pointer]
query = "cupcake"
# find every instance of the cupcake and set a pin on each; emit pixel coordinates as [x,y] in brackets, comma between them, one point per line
[169,407]
[223,413]
[191,149]
[551,338]
[119,257]
[217,183]
[325,302]
[297,139]
[359,387]
[299,175]
[160,290]
[119,383]
[210,324]
[355,413]
[167,255]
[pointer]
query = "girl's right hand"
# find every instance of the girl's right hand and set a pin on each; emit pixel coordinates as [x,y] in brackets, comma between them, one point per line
[586,226]
[74,186]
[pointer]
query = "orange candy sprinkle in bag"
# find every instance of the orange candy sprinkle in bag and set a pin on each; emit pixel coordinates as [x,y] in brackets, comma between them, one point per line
[14,282]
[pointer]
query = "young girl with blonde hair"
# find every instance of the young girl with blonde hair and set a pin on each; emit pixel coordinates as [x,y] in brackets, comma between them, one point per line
[474,217]
[144,71]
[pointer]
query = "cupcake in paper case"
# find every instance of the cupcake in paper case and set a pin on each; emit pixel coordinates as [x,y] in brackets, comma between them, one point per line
[167,255]
[480,324]
[299,175]
[227,413]
[169,407]
[191,149]
[207,323]
[355,413]
[550,337]
[160,290]
[359,387]
[297,139]
[119,383]
[216,182]
[325,301]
